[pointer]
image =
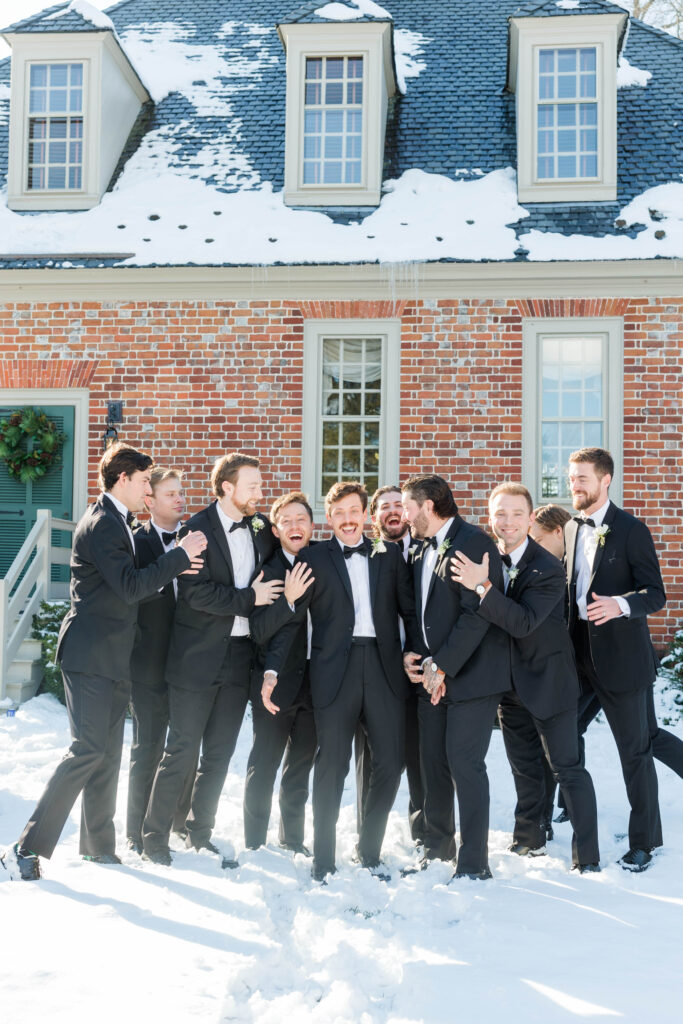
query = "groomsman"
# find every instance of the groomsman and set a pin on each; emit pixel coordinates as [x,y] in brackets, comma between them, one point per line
[542,701]
[94,649]
[360,590]
[614,584]
[463,658]
[149,691]
[211,655]
[282,711]
[388,523]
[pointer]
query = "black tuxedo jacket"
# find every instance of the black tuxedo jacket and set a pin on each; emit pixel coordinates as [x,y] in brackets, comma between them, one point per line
[208,603]
[330,600]
[285,647]
[626,565]
[155,617]
[98,631]
[474,654]
[532,614]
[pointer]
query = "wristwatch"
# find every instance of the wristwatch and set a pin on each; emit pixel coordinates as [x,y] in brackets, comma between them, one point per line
[432,667]
[481,588]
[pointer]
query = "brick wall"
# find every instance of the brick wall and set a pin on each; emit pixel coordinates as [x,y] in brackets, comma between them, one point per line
[200,378]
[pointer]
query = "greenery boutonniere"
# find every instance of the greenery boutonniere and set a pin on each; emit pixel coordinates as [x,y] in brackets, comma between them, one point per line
[378,547]
[513,573]
[256,524]
[601,532]
[443,548]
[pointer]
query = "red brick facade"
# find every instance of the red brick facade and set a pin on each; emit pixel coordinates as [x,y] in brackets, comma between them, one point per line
[198,378]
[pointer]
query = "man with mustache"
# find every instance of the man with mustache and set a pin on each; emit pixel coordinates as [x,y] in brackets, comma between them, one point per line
[211,655]
[614,584]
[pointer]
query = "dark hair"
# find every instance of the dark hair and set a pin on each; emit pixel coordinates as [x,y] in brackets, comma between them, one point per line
[293,498]
[387,489]
[551,517]
[342,489]
[121,458]
[510,487]
[600,459]
[227,468]
[429,487]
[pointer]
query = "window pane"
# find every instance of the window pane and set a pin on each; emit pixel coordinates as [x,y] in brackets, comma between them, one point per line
[38,75]
[351,433]
[56,177]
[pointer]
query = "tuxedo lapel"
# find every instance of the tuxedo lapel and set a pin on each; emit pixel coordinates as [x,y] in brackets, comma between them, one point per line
[256,538]
[154,539]
[373,570]
[111,508]
[600,550]
[449,540]
[571,531]
[524,568]
[219,536]
[340,565]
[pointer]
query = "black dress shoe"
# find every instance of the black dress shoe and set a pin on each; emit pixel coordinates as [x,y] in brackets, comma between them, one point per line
[635,860]
[548,830]
[296,848]
[209,847]
[320,874]
[21,864]
[135,845]
[475,876]
[585,869]
[161,856]
[561,817]
[522,850]
[102,858]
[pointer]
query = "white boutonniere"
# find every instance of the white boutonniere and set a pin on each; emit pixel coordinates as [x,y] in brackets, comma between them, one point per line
[378,547]
[601,532]
[513,573]
[443,547]
[256,524]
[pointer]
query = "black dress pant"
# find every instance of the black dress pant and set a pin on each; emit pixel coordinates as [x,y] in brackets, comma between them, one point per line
[469,725]
[149,706]
[437,806]
[412,768]
[364,692]
[558,736]
[96,707]
[211,717]
[627,716]
[292,733]
[588,708]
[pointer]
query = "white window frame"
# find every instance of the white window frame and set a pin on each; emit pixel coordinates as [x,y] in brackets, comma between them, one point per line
[314,333]
[372,42]
[528,36]
[533,331]
[48,116]
[84,48]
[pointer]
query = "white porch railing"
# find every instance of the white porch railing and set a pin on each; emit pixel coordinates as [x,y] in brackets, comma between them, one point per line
[20,597]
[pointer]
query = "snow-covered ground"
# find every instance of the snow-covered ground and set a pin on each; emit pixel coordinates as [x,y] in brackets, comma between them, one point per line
[105,945]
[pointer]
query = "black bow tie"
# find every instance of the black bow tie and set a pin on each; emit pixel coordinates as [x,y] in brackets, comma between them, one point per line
[430,542]
[238,526]
[583,522]
[507,560]
[360,550]
[168,537]
[130,519]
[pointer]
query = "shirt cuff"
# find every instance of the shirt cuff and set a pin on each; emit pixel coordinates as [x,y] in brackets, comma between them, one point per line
[624,605]
[270,671]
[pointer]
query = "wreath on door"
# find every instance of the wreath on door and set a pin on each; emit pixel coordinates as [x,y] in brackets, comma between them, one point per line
[30,444]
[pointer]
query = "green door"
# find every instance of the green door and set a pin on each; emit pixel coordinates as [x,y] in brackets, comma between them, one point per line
[20,502]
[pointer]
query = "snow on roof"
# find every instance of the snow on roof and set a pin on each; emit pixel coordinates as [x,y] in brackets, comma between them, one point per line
[89,13]
[628,75]
[352,9]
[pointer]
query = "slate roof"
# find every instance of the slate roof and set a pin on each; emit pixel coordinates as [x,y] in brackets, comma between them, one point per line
[456,119]
[44,21]
[306,15]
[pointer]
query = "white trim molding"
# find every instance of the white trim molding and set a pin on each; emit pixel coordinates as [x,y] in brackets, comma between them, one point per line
[112,98]
[610,332]
[528,36]
[315,331]
[373,42]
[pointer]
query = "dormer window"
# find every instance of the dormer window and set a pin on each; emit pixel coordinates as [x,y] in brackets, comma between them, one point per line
[55,126]
[563,73]
[339,79]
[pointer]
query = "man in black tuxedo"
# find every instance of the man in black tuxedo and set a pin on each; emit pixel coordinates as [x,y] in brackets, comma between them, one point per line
[542,701]
[149,691]
[360,590]
[94,649]
[388,524]
[210,656]
[614,584]
[463,658]
[282,712]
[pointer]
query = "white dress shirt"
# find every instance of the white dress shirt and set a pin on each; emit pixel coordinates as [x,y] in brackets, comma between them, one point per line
[515,557]
[584,557]
[120,507]
[359,574]
[168,547]
[404,544]
[428,562]
[243,563]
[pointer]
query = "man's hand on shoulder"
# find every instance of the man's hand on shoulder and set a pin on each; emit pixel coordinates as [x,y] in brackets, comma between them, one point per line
[268,592]
[297,581]
[193,544]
